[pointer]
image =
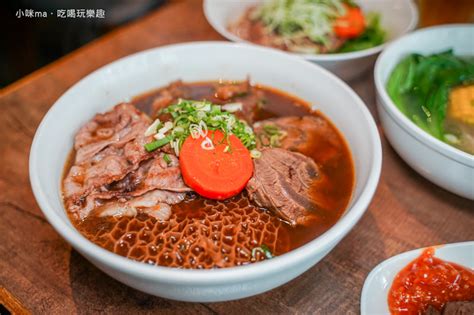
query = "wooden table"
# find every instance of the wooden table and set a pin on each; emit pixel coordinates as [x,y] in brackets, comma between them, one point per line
[47,276]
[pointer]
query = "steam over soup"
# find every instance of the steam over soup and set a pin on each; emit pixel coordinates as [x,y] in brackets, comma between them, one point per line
[207,175]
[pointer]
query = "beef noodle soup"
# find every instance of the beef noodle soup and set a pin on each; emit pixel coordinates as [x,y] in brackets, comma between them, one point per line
[207,175]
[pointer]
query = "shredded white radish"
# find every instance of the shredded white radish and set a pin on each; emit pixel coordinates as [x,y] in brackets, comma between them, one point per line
[232,107]
[207,144]
[151,130]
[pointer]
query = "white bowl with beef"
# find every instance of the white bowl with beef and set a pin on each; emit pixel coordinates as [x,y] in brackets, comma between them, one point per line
[128,185]
[347,57]
[449,164]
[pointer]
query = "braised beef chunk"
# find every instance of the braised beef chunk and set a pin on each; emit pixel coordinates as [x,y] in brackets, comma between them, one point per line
[431,310]
[228,91]
[282,182]
[220,93]
[452,308]
[243,93]
[299,134]
[168,95]
[111,162]
[459,308]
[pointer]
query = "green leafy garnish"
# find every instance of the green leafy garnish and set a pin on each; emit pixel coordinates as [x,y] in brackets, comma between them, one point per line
[263,249]
[373,36]
[166,158]
[420,85]
[272,135]
[152,146]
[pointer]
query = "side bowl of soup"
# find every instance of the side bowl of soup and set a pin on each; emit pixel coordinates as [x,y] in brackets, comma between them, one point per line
[444,163]
[284,81]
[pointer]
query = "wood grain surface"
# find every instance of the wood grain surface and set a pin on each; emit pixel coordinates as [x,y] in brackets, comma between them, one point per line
[48,277]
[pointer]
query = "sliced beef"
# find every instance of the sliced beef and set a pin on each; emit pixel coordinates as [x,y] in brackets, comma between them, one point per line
[114,167]
[107,148]
[116,127]
[152,174]
[283,182]
[155,203]
[301,134]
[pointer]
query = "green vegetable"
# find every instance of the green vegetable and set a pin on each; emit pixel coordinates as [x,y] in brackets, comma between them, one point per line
[420,85]
[152,146]
[373,36]
[166,158]
[195,118]
[272,135]
[264,249]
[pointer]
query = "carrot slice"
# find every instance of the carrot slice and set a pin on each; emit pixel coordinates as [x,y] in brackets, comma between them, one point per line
[217,173]
[350,25]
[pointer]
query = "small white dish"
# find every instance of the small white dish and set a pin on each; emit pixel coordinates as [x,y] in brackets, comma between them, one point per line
[397,18]
[439,162]
[203,61]
[373,300]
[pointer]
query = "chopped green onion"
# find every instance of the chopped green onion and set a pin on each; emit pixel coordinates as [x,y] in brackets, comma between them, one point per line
[166,158]
[255,154]
[152,146]
[263,249]
[195,118]
[151,130]
[271,129]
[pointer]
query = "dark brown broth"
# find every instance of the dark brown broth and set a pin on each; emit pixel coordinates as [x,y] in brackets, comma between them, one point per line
[335,195]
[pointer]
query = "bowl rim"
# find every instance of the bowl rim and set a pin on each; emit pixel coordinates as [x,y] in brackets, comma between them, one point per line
[403,121]
[213,276]
[222,30]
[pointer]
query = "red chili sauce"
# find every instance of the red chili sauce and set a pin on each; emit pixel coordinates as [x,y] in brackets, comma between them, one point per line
[429,281]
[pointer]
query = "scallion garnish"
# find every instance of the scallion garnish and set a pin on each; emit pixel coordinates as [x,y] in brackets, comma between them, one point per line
[152,146]
[263,249]
[195,118]
[166,158]
[273,134]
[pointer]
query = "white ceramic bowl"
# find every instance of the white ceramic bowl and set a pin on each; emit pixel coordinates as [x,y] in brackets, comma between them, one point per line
[202,61]
[439,162]
[373,300]
[397,18]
